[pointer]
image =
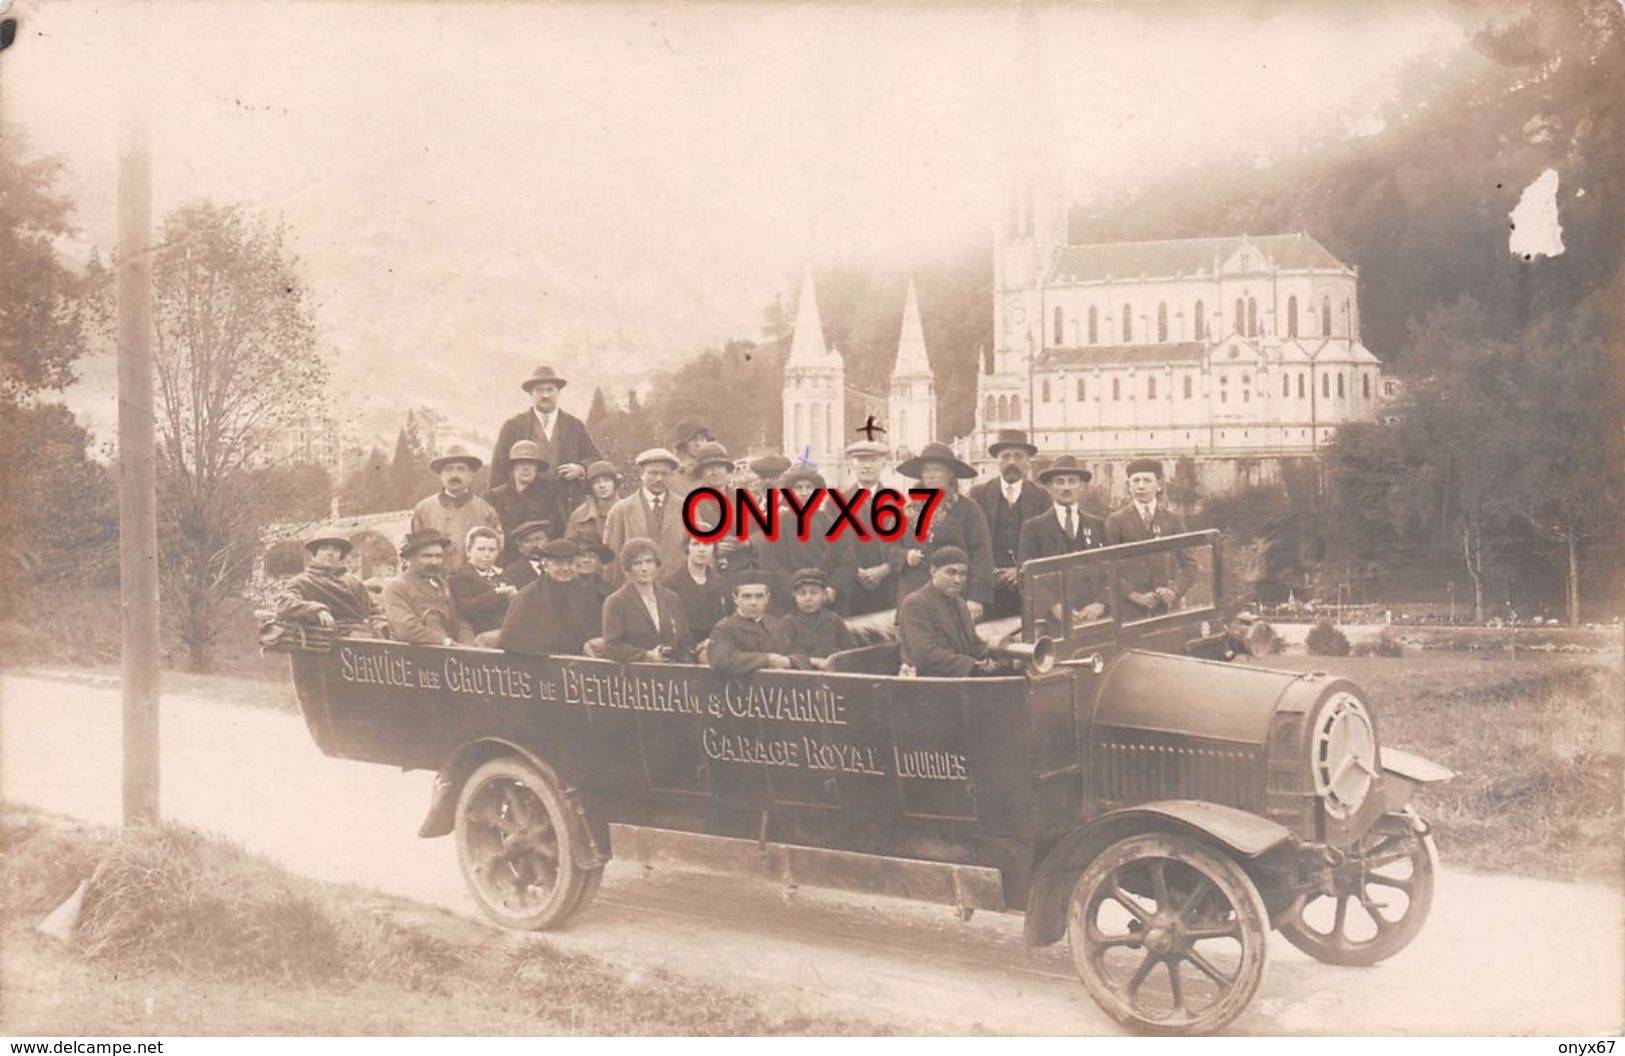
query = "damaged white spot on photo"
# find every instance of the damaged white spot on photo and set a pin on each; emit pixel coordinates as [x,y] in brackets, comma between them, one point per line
[1536,228]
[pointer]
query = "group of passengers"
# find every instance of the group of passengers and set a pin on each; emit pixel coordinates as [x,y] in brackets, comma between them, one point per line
[553,560]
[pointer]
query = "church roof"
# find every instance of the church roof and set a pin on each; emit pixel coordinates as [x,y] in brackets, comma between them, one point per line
[1121,355]
[1186,256]
[807,347]
[911,356]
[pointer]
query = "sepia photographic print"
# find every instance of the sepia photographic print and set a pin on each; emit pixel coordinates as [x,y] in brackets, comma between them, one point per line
[762,519]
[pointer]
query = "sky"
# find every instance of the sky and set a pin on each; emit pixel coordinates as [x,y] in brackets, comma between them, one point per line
[477,188]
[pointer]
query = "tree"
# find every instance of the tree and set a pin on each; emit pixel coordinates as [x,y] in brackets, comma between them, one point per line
[365,489]
[43,305]
[235,348]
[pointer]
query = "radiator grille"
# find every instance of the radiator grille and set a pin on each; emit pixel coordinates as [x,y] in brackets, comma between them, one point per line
[1135,770]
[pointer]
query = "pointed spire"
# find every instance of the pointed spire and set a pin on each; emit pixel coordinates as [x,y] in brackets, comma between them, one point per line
[911,356]
[807,345]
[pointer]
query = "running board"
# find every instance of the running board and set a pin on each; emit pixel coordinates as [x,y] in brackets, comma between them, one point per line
[965,887]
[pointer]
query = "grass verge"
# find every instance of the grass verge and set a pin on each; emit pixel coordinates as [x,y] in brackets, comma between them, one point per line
[1538,746]
[186,934]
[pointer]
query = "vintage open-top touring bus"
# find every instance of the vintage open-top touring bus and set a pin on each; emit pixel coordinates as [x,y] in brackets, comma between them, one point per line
[1130,790]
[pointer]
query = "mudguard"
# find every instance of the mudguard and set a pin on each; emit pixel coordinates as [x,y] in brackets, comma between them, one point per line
[448,785]
[1237,831]
[1413,767]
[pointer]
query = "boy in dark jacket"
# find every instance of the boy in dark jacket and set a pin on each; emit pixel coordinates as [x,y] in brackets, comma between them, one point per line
[815,630]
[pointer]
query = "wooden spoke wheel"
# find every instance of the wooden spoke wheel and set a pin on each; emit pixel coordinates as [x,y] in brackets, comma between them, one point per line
[517,849]
[1167,935]
[1379,898]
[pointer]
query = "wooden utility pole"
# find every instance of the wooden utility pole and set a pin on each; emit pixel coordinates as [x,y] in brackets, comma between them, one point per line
[137,493]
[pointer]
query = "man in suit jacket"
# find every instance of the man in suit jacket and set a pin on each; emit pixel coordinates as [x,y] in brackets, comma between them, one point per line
[565,445]
[651,512]
[958,522]
[1151,585]
[557,614]
[644,622]
[936,634]
[875,584]
[1008,501]
[787,555]
[1065,528]
[529,537]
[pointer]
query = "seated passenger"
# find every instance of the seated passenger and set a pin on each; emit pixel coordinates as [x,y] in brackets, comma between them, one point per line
[936,635]
[529,538]
[750,639]
[326,593]
[705,598]
[482,595]
[418,602]
[816,630]
[643,621]
[556,615]
[592,567]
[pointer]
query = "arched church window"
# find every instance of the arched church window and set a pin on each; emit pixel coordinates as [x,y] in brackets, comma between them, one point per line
[1326,386]
[902,424]
[1015,408]
[1083,393]
[1150,388]
[1058,338]
[1187,386]
[1325,317]
[1340,386]
[801,426]
[991,412]
[816,420]
[1094,326]
[1292,317]
[1286,385]
[1128,324]
[1004,408]
[1199,330]
[1162,322]
[1252,317]
[1117,388]
[1348,318]
[1241,316]
[1044,389]
[1365,385]
[1300,385]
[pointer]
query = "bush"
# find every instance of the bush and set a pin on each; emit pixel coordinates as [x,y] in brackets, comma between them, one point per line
[1326,640]
[1385,644]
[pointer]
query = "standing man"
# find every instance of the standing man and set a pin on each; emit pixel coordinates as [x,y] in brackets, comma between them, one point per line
[565,444]
[650,512]
[1065,528]
[691,434]
[958,522]
[454,509]
[528,495]
[874,586]
[1151,585]
[418,602]
[936,632]
[1009,501]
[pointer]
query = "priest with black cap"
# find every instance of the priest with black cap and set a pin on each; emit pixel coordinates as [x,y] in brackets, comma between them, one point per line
[556,614]
[752,639]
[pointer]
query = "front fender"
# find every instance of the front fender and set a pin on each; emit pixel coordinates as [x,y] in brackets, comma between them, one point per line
[1236,831]
[1413,767]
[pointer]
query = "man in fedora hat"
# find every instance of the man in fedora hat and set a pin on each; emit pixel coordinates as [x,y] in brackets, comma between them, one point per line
[565,444]
[874,585]
[958,522]
[586,523]
[1008,501]
[528,539]
[454,509]
[687,439]
[936,631]
[418,601]
[1065,528]
[651,512]
[326,593]
[1154,584]
[556,615]
[528,495]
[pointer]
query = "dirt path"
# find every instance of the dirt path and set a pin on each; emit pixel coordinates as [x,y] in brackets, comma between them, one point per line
[1501,954]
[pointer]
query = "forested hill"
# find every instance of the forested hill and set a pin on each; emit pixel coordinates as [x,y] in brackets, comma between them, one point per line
[1421,206]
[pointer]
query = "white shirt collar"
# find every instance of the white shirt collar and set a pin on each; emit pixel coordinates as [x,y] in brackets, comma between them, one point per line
[1012,492]
[649,496]
[1148,510]
[547,420]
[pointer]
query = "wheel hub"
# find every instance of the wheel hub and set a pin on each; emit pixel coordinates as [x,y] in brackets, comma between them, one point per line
[1160,941]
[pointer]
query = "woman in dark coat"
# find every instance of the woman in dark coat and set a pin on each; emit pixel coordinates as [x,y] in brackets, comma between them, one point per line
[644,621]
[700,586]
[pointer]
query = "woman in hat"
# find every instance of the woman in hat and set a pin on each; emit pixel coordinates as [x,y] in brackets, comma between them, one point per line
[528,496]
[586,523]
[326,593]
[644,621]
[957,522]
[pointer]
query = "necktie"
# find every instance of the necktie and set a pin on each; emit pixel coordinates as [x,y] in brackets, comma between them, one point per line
[655,505]
[1071,526]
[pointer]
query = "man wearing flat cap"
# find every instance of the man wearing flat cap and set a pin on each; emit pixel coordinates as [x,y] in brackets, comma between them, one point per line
[815,629]
[563,440]
[586,524]
[788,554]
[751,639]
[558,613]
[418,601]
[687,439]
[958,522]
[528,495]
[651,512]
[454,509]
[874,586]
[1152,585]
[1008,501]
[1065,528]
[326,594]
[936,634]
